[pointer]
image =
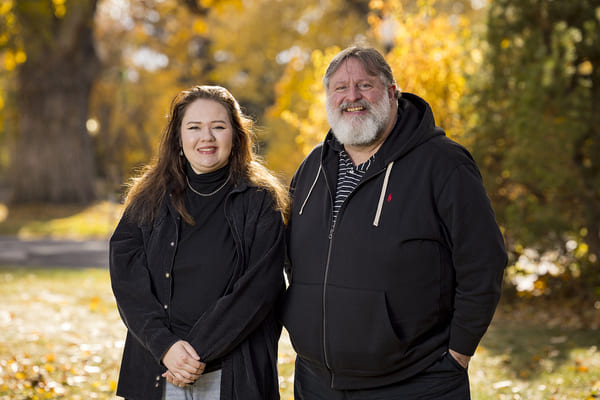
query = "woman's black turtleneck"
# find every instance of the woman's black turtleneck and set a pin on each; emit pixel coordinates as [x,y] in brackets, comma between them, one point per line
[206,251]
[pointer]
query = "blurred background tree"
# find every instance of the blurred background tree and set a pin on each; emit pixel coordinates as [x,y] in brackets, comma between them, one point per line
[49,45]
[535,127]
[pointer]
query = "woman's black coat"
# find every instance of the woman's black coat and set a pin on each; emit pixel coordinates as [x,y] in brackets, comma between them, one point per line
[239,328]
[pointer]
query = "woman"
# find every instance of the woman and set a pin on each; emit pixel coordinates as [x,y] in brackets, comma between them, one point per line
[196,261]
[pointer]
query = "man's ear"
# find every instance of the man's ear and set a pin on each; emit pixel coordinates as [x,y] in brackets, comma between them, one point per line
[391,92]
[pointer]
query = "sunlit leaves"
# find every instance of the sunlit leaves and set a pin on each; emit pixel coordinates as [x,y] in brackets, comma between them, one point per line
[5,7]
[430,53]
[200,26]
[300,105]
[12,59]
[9,27]
[221,6]
[251,55]
[60,8]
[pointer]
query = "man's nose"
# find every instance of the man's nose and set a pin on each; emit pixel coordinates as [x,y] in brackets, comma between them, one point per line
[354,93]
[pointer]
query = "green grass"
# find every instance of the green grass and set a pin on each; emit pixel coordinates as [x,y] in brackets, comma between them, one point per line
[522,360]
[61,338]
[60,335]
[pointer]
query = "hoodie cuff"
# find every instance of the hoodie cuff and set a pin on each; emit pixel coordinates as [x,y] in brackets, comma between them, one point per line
[463,341]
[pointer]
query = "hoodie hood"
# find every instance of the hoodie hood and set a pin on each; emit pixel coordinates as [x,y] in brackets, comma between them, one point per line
[414,126]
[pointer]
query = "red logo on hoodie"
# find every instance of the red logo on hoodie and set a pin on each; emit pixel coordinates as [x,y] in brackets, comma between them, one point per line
[389,198]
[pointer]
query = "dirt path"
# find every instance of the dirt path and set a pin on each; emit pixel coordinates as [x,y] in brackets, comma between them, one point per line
[53,253]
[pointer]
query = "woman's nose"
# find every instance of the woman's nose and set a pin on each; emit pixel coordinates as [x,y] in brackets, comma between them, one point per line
[206,134]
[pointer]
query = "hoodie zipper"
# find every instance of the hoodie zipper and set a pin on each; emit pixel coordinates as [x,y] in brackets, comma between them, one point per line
[325,278]
[326,273]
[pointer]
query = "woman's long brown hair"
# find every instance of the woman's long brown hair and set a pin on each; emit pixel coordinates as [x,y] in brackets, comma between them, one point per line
[166,175]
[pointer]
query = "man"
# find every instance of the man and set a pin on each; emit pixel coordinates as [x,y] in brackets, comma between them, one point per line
[396,260]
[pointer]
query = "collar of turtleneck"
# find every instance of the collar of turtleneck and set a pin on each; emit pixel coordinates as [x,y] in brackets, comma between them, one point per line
[205,183]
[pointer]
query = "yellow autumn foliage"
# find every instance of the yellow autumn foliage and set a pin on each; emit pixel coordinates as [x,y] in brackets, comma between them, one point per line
[430,55]
[300,110]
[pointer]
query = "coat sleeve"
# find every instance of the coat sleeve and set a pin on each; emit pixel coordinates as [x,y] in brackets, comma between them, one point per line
[478,253]
[287,263]
[237,314]
[138,306]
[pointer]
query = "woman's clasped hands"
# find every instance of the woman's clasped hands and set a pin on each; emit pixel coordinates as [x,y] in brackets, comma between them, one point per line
[183,363]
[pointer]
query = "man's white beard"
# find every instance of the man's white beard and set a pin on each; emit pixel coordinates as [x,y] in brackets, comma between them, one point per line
[360,130]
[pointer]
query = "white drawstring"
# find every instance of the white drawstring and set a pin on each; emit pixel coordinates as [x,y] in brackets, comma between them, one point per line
[382,195]
[310,191]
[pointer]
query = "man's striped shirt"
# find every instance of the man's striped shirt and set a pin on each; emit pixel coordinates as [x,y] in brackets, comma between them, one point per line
[348,178]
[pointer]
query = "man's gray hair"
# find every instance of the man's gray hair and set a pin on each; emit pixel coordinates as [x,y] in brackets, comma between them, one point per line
[371,59]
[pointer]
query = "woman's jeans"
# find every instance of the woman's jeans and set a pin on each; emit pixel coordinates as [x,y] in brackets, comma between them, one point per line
[207,387]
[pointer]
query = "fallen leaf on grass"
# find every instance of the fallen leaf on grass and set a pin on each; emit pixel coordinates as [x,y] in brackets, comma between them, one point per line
[579,367]
[69,351]
[558,339]
[502,384]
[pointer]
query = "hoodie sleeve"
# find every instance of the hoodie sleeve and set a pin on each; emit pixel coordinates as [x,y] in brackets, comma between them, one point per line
[139,308]
[478,253]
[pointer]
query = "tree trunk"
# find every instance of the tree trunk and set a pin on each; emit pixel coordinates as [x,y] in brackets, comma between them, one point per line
[54,158]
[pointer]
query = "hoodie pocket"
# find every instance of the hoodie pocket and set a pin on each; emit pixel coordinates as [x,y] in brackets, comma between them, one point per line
[301,314]
[360,338]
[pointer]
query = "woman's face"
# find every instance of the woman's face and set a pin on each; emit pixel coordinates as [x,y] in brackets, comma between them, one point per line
[206,135]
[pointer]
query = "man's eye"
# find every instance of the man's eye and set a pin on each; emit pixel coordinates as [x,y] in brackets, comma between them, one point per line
[365,86]
[340,88]
[219,127]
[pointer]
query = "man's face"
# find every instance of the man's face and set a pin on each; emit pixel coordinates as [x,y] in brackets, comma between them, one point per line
[359,106]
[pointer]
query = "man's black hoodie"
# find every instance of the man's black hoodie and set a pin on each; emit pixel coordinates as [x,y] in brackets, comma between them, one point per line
[412,267]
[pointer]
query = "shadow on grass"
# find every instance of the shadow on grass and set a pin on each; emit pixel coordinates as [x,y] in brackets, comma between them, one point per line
[14,217]
[542,336]
[524,347]
[63,221]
